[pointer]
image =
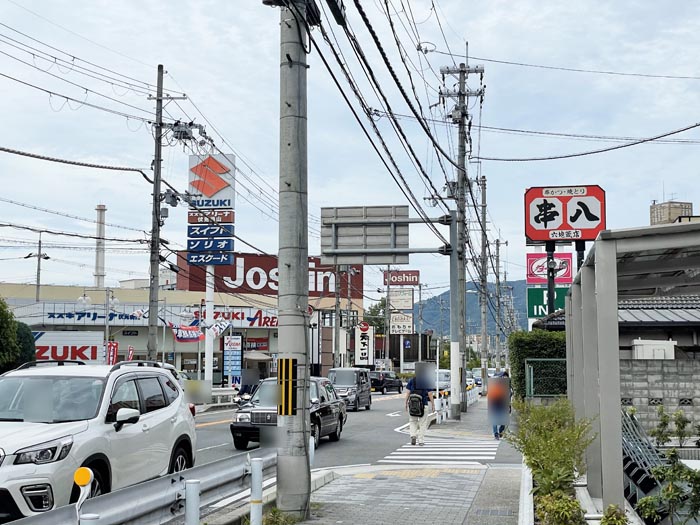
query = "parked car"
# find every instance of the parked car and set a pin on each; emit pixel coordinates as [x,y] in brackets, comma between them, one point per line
[444,380]
[353,386]
[476,372]
[128,423]
[383,381]
[328,413]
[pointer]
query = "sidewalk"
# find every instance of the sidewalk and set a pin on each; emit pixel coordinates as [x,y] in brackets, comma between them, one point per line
[479,494]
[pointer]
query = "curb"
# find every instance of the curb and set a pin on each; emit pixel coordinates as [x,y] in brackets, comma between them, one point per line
[526,509]
[237,515]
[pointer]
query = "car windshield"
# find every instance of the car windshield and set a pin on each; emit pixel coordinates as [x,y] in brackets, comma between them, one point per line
[49,399]
[267,394]
[342,377]
[374,375]
[476,372]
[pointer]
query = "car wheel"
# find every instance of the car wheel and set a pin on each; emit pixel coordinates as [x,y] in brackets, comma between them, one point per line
[180,461]
[356,406]
[383,390]
[316,433]
[335,436]
[240,443]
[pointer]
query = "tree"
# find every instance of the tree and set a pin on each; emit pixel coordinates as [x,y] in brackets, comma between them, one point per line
[9,349]
[25,341]
[375,315]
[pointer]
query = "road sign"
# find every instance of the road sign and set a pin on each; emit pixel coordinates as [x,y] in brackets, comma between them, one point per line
[537,301]
[401,323]
[537,268]
[364,235]
[210,216]
[564,213]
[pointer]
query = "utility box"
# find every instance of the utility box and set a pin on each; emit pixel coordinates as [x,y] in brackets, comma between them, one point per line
[652,349]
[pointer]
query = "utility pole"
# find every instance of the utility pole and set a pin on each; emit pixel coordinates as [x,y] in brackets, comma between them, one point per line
[101,210]
[40,255]
[483,277]
[457,333]
[293,472]
[387,314]
[499,320]
[420,324]
[152,345]
[336,323]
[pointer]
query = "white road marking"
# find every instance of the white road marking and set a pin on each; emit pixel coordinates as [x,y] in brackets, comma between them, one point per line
[394,414]
[241,495]
[214,446]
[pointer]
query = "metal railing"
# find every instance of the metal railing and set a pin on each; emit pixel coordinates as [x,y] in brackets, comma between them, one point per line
[640,456]
[161,500]
[545,377]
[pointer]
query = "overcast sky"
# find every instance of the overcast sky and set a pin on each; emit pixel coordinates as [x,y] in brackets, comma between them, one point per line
[224,56]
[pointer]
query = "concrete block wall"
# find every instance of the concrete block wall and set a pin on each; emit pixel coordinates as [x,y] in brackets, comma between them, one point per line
[670,381]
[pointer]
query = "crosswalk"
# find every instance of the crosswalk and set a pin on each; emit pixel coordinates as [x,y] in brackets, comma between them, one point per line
[444,452]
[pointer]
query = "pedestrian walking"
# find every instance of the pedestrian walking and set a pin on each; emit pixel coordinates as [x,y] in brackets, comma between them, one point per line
[417,400]
[498,396]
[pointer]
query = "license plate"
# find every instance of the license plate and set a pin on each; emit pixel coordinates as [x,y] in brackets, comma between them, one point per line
[373,389]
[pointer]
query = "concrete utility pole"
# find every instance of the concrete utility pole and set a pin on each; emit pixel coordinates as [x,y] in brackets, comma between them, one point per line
[387,314]
[499,320]
[456,327]
[39,256]
[483,277]
[420,324]
[293,471]
[100,246]
[459,116]
[152,344]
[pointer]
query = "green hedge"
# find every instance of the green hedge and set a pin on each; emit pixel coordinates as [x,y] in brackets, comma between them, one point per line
[529,345]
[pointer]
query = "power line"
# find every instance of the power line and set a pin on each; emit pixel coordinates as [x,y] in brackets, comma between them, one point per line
[573,69]
[593,152]
[67,234]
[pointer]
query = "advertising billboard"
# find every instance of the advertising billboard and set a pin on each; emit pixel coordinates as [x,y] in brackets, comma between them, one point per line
[537,268]
[86,346]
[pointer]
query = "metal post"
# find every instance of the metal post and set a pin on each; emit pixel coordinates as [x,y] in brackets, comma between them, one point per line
[456,334]
[199,342]
[208,334]
[498,305]
[192,502]
[580,250]
[420,324]
[336,324]
[483,297]
[256,491]
[152,344]
[99,246]
[162,343]
[107,310]
[401,369]
[38,271]
[293,472]
[551,272]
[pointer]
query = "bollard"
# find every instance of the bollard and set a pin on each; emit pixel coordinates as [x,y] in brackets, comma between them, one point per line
[438,410]
[256,490]
[83,478]
[192,502]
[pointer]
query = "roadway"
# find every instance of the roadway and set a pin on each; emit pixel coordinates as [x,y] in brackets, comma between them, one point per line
[367,436]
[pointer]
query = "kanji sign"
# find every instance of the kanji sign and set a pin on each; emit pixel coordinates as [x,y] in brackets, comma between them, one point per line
[537,301]
[401,323]
[112,352]
[564,213]
[537,268]
[364,344]
[210,216]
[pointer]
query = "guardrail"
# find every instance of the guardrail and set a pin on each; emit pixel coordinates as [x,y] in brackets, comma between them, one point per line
[161,500]
[472,396]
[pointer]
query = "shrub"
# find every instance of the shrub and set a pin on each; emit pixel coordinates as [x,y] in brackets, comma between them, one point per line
[614,516]
[558,508]
[681,422]
[661,432]
[551,439]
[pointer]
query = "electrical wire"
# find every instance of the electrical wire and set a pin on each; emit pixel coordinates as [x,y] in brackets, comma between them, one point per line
[67,234]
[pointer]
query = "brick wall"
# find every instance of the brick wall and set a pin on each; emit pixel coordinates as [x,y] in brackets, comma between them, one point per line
[673,383]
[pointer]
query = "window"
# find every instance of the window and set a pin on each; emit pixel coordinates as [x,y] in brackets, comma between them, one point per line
[171,391]
[313,390]
[152,394]
[331,391]
[125,396]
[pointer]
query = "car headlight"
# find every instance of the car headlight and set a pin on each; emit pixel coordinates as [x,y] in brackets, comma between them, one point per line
[45,452]
[241,418]
[352,391]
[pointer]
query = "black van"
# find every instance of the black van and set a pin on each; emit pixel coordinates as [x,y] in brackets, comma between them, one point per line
[353,386]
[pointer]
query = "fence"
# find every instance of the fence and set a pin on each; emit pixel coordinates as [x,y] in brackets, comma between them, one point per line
[545,377]
[161,500]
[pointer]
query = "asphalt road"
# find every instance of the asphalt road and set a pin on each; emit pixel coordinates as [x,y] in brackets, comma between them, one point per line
[367,436]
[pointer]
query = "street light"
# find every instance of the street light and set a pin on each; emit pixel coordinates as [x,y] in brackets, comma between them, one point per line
[111,302]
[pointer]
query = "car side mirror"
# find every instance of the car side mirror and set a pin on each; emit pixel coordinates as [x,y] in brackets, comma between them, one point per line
[126,416]
[314,401]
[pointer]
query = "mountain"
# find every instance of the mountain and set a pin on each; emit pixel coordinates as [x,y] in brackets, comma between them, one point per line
[436,310]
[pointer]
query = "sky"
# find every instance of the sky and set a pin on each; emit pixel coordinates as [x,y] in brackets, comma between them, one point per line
[225,57]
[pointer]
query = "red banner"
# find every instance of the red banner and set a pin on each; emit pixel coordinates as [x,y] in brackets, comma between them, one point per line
[130,355]
[187,334]
[112,352]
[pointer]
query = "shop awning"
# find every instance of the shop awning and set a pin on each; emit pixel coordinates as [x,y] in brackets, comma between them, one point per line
[256,355]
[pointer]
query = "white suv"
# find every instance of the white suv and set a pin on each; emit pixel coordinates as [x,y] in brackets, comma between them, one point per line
[128,423]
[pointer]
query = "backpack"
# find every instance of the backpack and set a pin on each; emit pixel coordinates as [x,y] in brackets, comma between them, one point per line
[416,408]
